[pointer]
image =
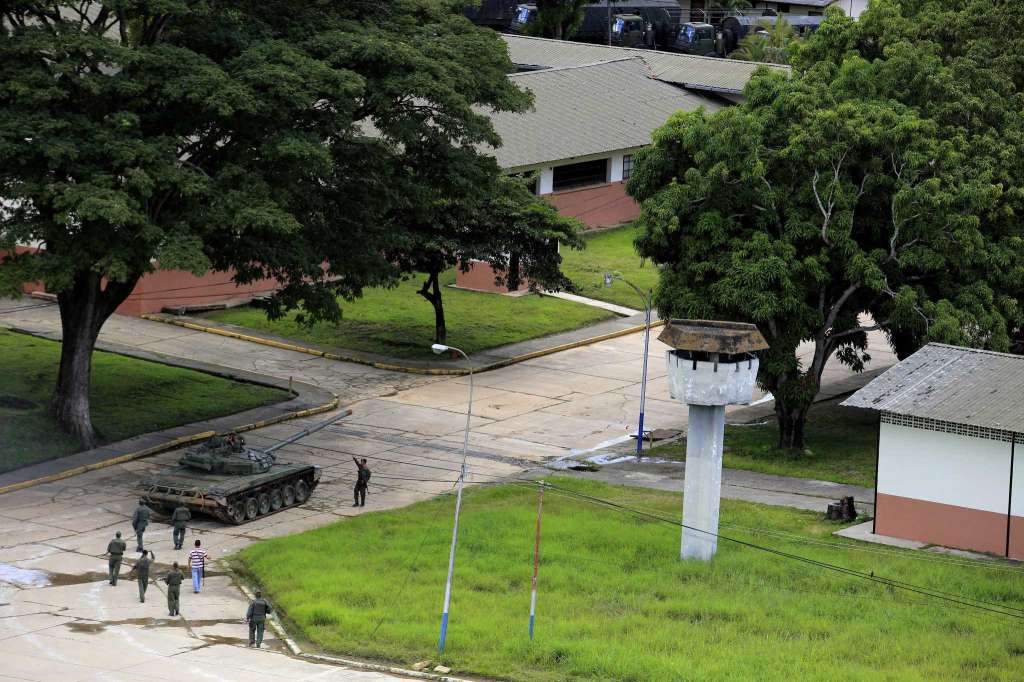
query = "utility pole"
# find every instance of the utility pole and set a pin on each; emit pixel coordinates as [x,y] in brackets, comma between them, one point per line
[536,559]
[439,349]
[648,302]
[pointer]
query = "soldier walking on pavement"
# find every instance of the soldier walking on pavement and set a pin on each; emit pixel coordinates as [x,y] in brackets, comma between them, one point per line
[362,479]
[179,518]
[197,561]
[256,617]
[141,571]
[115,550]
[140,519]
[174,579]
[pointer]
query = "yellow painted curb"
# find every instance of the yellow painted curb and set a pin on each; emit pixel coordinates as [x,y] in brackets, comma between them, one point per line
[169,445]
[429,371]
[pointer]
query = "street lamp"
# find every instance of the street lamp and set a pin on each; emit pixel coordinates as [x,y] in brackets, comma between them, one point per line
[608,279]
[438,349]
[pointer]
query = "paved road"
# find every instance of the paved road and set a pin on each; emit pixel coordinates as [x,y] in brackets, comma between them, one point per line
[65,623]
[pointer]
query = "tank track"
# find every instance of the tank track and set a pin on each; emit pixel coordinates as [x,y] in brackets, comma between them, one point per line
[266,500]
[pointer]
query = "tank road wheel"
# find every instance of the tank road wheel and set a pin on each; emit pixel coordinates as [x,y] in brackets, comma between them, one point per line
[252,508]
[237,511]
[301,491]
[276,499]
[289,495]
[264,501]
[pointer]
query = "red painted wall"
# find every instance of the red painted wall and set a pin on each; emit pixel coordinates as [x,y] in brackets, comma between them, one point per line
[601,206]
[480,277]
[948,525]
[175,288]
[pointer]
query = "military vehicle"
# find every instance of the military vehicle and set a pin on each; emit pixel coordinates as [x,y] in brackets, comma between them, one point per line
[629,30]
[735,28]
[696,38]
[660,17]
[234,483]
[702,39]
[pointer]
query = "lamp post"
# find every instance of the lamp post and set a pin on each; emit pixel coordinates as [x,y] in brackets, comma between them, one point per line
[438,349]
[608,279]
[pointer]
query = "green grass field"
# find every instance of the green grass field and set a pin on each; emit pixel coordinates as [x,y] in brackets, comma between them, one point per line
[129,397]
[400,323]
[610,251]
[615,602]
[841,445]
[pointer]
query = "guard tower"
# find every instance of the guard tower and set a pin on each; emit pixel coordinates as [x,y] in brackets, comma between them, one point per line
[713,364]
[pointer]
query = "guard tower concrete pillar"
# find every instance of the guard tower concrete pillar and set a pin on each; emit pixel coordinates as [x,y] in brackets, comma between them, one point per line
[712,365]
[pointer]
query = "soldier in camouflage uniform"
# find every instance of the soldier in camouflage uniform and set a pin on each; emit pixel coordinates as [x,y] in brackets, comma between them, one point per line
[115,551]
[362,480]
[174,579]
[179,518]
[140,520]
[256,617]
[141,571]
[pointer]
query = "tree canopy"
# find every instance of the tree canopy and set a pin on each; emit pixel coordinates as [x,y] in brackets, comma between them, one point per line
[199,134]
[877,188]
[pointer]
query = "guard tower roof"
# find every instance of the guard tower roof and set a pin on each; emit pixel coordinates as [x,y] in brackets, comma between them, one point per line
[712,336]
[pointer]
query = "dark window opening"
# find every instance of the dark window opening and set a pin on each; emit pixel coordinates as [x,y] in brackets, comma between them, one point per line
[627,166]
[580,175]
[782,7]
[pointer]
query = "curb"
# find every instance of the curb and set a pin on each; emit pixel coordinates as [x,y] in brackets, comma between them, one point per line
[169,445]
[293,646]
[430,371]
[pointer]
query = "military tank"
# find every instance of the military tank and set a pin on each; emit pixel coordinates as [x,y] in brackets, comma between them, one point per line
[234,483]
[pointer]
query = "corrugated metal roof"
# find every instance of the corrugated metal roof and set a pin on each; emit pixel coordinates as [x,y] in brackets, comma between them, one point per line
[951,384]
[697,73]
[588,110]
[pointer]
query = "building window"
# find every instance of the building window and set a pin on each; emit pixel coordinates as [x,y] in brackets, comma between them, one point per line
[580,175]
[627,166]
[782,7]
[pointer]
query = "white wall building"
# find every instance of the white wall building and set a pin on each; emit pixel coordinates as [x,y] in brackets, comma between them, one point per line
[951,449]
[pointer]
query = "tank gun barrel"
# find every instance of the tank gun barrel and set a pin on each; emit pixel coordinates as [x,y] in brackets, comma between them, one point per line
[306,432]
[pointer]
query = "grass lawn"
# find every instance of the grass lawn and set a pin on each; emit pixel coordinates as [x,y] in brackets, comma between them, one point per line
[129,397]
[841,445]
[400,323]
[610,251]
[615,603]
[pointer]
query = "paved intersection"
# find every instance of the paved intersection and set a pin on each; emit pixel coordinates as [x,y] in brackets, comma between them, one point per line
[60,620]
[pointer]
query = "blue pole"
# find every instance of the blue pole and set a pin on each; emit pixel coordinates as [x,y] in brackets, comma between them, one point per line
[458,506]
[643,380]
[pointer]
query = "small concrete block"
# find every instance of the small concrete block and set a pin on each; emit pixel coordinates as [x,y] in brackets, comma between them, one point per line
[862,531]
[422,665]
[442,669]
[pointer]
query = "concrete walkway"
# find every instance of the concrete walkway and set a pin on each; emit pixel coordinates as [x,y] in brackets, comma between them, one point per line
[60,620]
[594,303]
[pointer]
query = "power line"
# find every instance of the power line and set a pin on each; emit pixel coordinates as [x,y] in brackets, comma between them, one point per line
[1001,609]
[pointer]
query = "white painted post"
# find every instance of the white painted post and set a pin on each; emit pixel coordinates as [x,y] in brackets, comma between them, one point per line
[615,169]
[703,481]
[546,183]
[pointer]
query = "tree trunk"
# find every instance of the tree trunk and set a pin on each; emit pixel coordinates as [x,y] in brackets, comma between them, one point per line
[84,307]
[431,290]
[513,278]
[791,422]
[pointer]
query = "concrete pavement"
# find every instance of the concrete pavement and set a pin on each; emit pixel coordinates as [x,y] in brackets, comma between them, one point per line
[65,623]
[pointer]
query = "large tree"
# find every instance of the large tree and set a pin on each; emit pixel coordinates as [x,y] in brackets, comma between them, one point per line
[844,200]
[461,208]
[259,135]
